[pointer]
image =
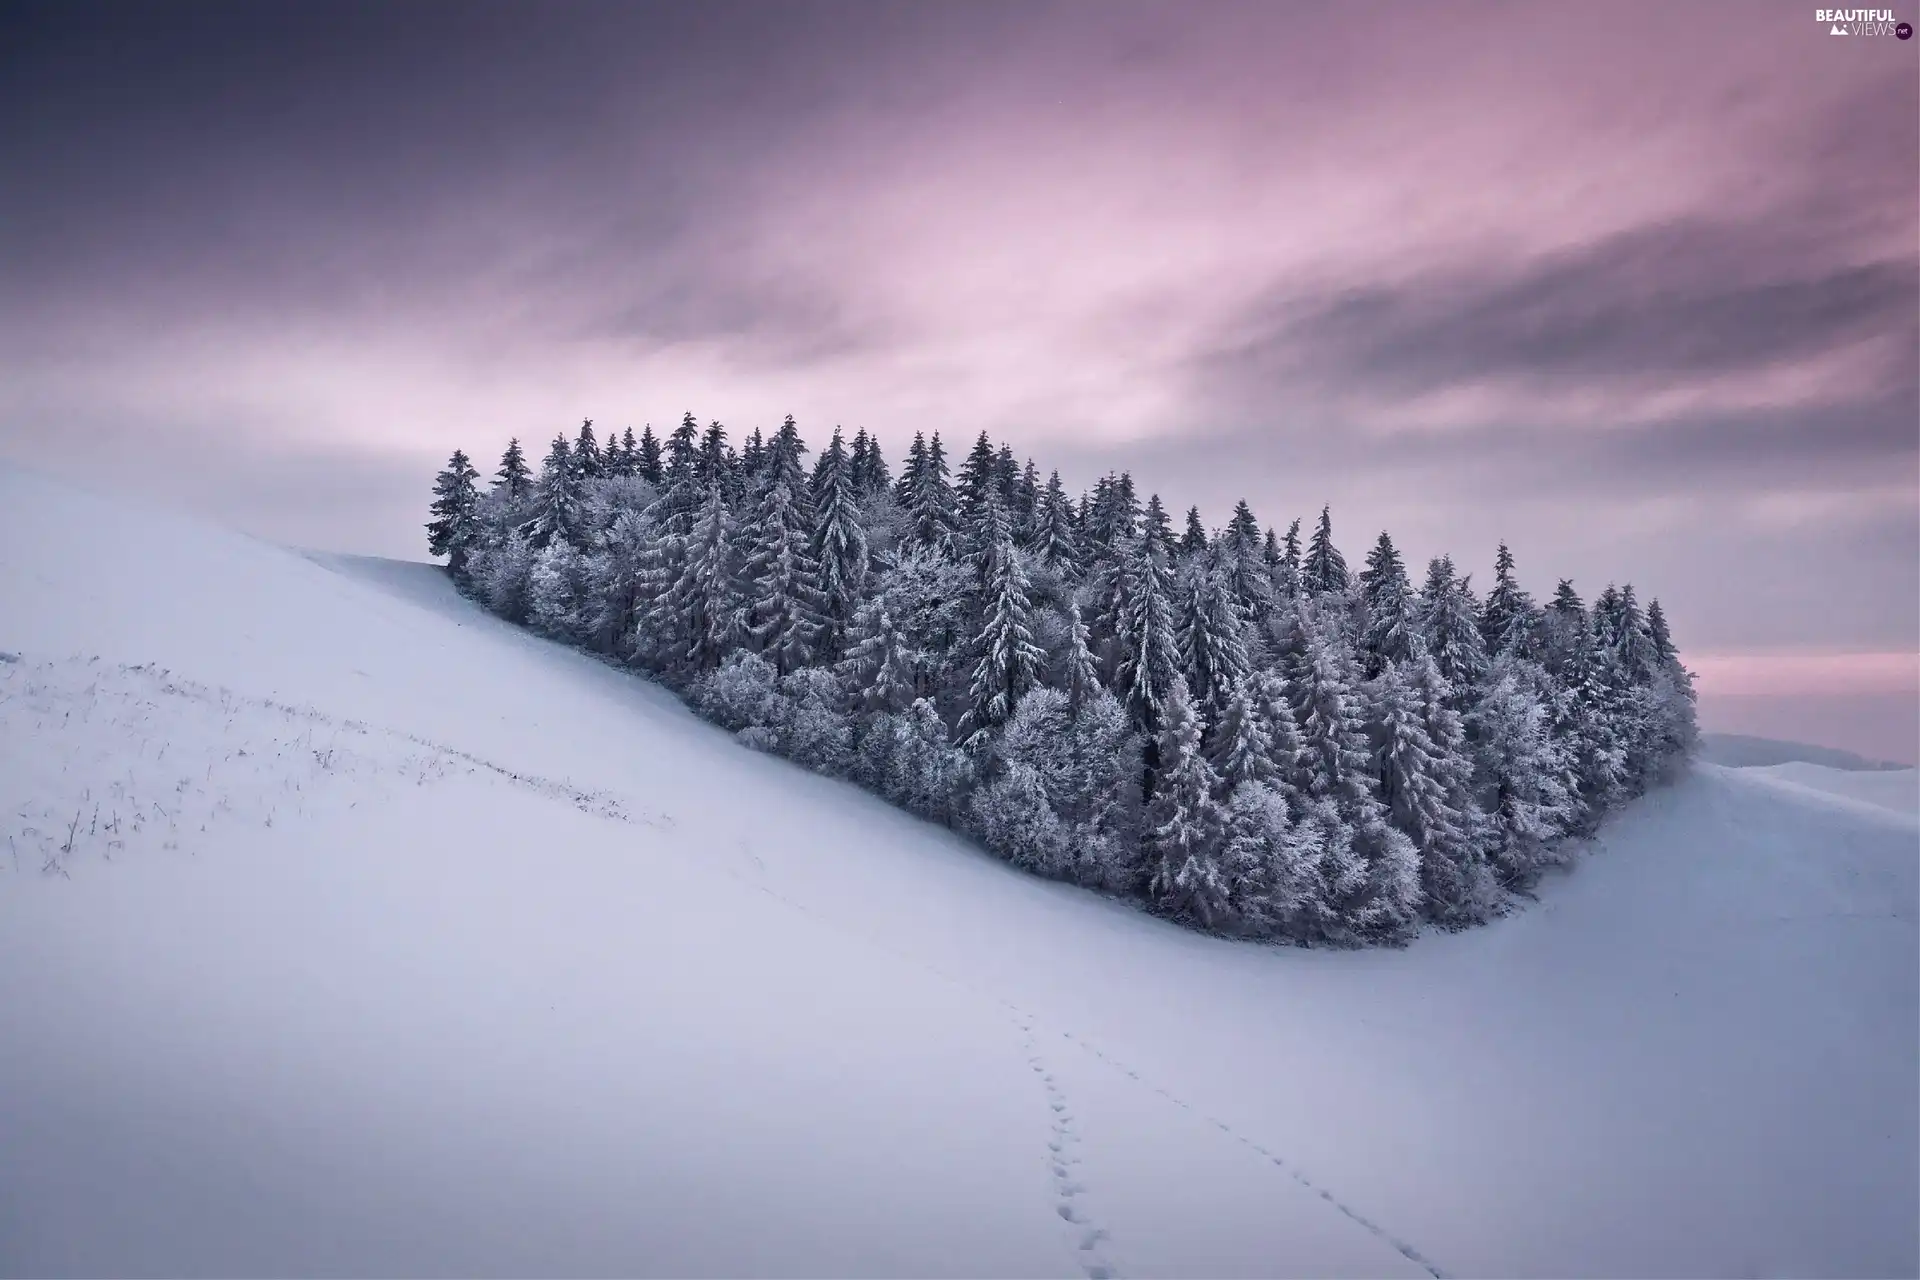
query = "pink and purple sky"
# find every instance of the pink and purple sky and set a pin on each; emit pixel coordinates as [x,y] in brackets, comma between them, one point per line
[1633,287]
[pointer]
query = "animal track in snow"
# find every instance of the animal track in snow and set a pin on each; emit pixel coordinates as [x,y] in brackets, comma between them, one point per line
[1393,1242]
[1063,1156]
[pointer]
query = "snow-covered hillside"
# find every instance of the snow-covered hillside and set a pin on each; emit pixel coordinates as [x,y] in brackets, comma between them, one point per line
[346,929]
[1895,789]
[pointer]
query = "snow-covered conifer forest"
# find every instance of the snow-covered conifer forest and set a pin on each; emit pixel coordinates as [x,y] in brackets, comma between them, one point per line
[1227,726]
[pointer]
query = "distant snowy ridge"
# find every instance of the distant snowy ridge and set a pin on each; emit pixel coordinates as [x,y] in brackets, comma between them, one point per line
[1895,790]
[1739,750]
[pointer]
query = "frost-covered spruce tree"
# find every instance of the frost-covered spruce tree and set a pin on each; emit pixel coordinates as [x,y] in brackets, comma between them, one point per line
[879,670]
[1105,596]
[1243,559]
[1156,529]
[1112,519]
[1591,719]
[587,459]
[1006,662]
[716,464]
[1450,621]
[1323,693]
[1079,670]
[1324,570]
[660,638]
[625,460]
[1024,506]
[454,530]
[1240,746]
[1392,629]
[1194,540]
[1672,732]
[933,521]
[1286,748]
[1372,869]
[783,582]
[557,501]
[1006,473]
[1289,576]
[1053,540]
[858,466]
[785,457]
[1148,648]
[1632,640]
[1184,823]
[749,464]
[1622,634]
[1522,771]
[875,477]
[514,478]
[707,603]
[1659,634]
[647,460]
[1508,618]
[910,471]
[839,546]
[977,484]
[1425,782]
[1564,633]
[1212,642]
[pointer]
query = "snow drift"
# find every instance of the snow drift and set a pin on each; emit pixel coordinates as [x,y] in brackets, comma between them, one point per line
[348,930]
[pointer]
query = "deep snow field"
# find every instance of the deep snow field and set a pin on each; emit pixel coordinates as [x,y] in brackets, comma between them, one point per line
[345,929]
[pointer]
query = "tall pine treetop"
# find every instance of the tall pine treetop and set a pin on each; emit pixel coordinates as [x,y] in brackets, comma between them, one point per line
[1325,569]
[514,476]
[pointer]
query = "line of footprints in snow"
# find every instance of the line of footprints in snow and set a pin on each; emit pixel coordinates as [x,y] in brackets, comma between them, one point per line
[1063,1148]
[1092,1241]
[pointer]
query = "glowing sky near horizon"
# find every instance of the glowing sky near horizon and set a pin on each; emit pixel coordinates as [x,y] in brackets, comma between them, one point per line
[1634,287]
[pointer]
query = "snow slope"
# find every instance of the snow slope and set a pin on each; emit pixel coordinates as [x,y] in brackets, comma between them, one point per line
[1895,789]
[345,929]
